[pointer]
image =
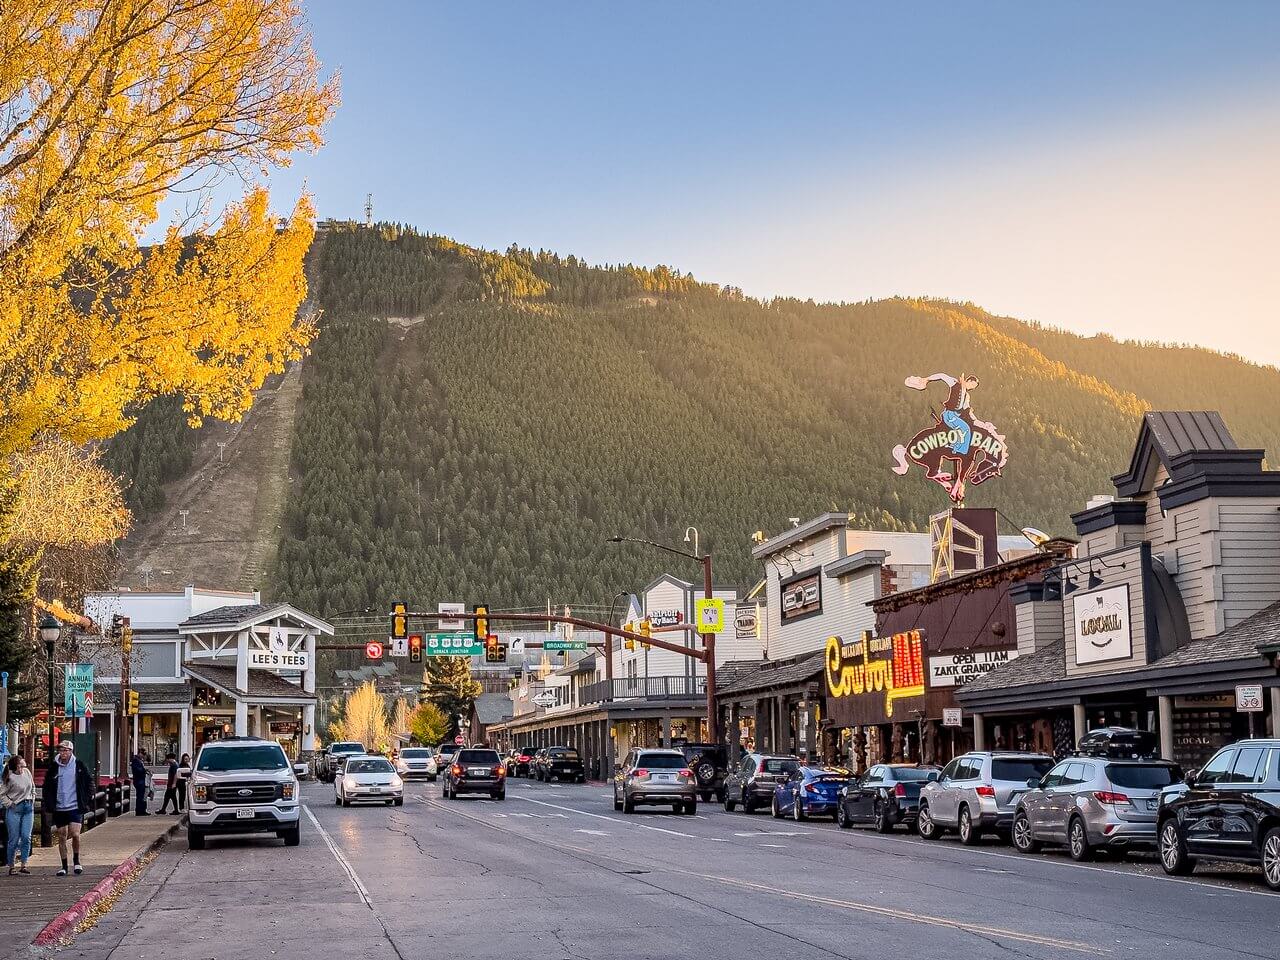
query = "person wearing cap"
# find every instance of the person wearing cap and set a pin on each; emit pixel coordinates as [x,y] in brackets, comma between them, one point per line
[67,795]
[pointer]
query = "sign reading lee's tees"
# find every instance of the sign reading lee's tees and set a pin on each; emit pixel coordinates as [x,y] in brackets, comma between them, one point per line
[276,660]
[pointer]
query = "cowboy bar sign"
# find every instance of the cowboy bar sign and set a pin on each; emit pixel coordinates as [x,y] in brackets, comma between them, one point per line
[958,448]
[888,667]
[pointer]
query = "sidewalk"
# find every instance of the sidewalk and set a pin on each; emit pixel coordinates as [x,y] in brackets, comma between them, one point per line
[108,853]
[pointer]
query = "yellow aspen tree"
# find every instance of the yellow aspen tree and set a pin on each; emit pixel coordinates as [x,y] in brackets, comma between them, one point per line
[106,108]
[364,718]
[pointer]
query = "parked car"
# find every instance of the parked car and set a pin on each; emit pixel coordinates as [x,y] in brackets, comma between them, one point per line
[978,792]
[368,778]
[809,791]
[243,785]
[440,762]
[752,782]
[710,765]
[560,763]
[336,755]
[415,762]
[655,777]
[475,770]
[1120,743]
[886,795]
[523,758]
[1228,810]
[1093,803]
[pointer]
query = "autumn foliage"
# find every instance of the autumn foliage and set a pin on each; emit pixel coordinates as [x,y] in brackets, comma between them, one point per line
[109,108]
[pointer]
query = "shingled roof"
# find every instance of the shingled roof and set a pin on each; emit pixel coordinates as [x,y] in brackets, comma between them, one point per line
[770,674]
[262,684]
[227,615]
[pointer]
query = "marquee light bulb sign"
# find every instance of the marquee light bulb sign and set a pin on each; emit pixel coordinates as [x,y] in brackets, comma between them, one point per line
[958,448]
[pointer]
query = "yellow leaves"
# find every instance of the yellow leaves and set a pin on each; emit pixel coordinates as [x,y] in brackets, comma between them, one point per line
[104,109]
[364,718]
[65,498]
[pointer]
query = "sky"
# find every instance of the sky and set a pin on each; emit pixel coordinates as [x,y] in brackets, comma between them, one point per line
[1094,166]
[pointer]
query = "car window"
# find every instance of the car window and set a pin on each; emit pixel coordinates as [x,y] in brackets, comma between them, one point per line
[969,769]
[477,756]
[1149,776]
[1249,766]
[565,754]
[1218,768]
[781,766]
[266,756]
[369,765]
[1074,774]
[416,753]
[660,761]
[875,775]
[1054,777]
[908,774]
[1020,769]
[949,771]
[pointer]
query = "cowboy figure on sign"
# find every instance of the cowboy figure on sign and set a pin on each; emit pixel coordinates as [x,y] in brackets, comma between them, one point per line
[958,448]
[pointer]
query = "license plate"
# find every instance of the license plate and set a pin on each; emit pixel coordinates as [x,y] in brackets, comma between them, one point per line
[664,778]
[479,771]
[375,789]
[244,813]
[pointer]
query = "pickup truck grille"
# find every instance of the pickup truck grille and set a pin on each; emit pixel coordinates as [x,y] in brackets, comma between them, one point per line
[233,793]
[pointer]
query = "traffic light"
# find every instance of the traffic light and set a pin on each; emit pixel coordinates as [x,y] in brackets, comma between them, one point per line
[627,642]
[132,707]
[494,652]
[481,623]
[646,629]
[126,635]
[415,648]
[399,621]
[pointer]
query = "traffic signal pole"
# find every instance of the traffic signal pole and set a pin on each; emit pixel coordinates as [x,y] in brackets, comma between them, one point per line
[709,652]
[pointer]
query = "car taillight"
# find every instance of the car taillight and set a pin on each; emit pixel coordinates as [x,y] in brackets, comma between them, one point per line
[1103,796]
[640,773]
[985,791]
[899,790]
[201,793]
[686,773]
[497,772]
[760,769]
[810,788]
[524,758]
[456,770]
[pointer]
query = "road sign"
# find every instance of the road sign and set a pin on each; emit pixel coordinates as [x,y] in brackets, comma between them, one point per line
[373,650]
[452,645]
[545,699]
[78,682]
[1249,697]
[951,717]
[709,614]
[87,712]
[398,647]
[459,740]
[452,625]
[564,645]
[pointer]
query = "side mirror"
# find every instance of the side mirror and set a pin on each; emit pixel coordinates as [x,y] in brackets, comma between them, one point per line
[1190,778]
[933,777]
[1035,781]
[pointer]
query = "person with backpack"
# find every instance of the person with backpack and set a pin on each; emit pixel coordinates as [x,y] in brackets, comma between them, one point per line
[67,795]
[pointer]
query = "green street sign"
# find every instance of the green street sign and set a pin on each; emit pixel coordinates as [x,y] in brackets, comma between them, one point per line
[451,645]
[565,645]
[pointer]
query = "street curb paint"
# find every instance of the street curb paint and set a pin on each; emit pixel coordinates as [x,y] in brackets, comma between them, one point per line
[64,923]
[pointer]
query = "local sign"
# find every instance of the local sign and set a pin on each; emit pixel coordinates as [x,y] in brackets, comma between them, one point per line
[746,622]
[957,448]
[665,618]
[1103,630]
[951,717]
[451,607]
[801,596]
[958,669]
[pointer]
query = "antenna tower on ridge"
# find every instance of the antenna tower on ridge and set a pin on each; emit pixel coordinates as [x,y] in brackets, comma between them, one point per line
[368,210]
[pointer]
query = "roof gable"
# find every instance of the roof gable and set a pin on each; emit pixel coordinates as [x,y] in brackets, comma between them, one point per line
[1167,435]
[234,618]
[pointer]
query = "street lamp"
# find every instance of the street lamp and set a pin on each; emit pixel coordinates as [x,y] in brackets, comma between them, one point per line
[694,531]
[49,628]
[708,639]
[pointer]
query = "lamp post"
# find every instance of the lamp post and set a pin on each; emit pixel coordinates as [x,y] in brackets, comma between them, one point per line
[49,628]
[708,639]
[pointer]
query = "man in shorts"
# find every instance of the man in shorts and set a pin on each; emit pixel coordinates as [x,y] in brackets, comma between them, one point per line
[67,795]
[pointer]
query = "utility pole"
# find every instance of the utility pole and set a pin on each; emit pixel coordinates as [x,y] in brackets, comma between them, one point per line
[709,648]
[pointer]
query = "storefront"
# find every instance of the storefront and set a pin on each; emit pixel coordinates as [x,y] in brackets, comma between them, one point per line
[775,706]
[1168,611]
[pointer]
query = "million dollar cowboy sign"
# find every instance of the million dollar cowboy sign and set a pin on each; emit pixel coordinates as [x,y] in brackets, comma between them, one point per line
[892,665]
[958,448]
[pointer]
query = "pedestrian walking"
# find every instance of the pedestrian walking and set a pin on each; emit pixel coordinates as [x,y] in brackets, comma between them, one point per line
[18,795]
[67,795]
[184,774]
[170,785]
[138,770]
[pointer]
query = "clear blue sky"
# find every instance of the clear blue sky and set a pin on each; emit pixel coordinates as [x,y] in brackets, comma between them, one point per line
[1099,166]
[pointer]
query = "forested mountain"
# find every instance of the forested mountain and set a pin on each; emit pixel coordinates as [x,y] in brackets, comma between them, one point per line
[474,425]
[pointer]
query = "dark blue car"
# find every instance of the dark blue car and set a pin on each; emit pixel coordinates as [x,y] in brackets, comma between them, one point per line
[809,791]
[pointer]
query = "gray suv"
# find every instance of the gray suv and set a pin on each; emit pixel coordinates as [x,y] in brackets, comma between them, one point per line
[655,777]
[243,785]
[1090,803]
[978,792]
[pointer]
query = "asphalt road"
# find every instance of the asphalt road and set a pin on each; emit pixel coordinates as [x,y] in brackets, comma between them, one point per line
[553,873]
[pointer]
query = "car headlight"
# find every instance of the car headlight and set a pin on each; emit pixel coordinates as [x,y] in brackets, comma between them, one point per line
[349,783]
[286,790]
[200,793]
[396,783]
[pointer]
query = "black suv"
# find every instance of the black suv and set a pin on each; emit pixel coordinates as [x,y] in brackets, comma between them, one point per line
[710,765]
[475,770]
[1228,810]
[753,781]
[560,763]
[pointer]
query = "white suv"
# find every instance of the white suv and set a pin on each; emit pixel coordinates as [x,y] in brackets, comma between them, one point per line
[243,785]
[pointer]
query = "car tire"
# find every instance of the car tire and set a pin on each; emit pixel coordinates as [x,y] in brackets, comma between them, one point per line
[1023,840]
[617,804]
[926,827]
[706,795]
[797,810]
[498,795]
[747,806]
[195,839]
[728,804]
[842,817]
[969,834]
[691,808]
[398,802]
[582,778]
[628,805]
[291,837]
[337,800]
[1078,841]
[1173,849]
[883,823]
[777,813]
[431,779]
[1271,858]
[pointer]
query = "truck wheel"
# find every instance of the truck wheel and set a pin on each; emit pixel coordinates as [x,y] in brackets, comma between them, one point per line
[292,837]
[195,839]
[1173,850]
[628,805]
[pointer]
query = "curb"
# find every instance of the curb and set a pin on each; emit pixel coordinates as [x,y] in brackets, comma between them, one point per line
[64,923]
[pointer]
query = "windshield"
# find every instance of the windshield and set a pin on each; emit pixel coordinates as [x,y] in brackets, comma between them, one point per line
[372,765]
[265,756]
[660,761]
[478,756]
[1020,770]
[781,766]
[910,774]
[1149,776]
[347,748]
[416,753]
[565,754]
